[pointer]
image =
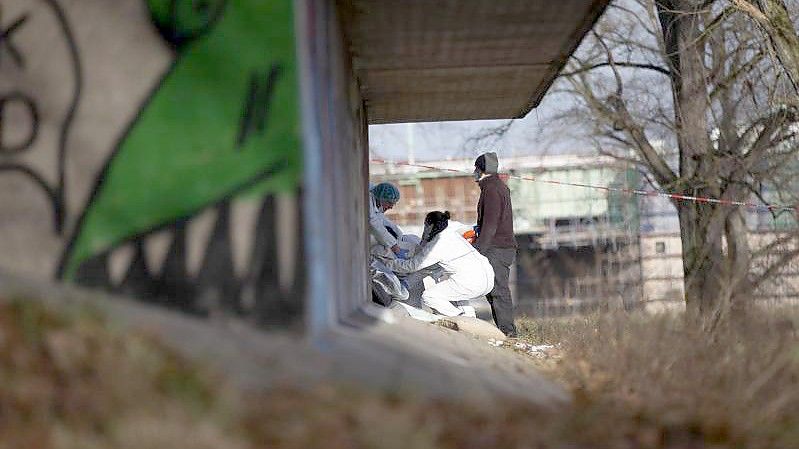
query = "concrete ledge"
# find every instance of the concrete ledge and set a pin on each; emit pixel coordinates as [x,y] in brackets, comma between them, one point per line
[403,353]
[395,353]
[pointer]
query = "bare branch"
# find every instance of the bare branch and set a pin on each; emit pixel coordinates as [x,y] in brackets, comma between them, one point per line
[775,267]
[740,70]
[766,126]
[634,65]
[488,136]
[773,19]
[657,164]
[612,65]
[772,246]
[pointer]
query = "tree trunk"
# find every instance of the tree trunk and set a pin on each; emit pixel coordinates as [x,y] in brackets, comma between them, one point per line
[737,289]
[701,235]
[702,260]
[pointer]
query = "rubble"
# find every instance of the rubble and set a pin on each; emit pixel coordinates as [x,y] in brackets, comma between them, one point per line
[537,351]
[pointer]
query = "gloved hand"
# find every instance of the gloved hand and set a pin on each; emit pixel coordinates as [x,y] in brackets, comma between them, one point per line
[403,254]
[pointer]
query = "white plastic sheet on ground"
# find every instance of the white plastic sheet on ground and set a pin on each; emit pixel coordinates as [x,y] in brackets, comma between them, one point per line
[416,313]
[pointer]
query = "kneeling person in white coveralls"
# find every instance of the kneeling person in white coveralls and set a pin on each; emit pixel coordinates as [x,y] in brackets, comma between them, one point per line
[470,273]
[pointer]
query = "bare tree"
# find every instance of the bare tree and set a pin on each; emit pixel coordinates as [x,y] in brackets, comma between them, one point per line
[695,76]
[774,20]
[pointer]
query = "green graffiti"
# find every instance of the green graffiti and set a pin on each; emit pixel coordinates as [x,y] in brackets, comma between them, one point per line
[224,121]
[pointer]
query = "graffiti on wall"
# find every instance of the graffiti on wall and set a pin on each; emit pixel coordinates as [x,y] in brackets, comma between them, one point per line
[163,151]
[28,151]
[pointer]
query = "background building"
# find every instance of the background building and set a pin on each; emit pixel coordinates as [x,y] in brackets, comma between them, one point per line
[580,248]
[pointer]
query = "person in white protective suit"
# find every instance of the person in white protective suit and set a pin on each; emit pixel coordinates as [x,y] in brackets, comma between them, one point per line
[468,273]
[383,197]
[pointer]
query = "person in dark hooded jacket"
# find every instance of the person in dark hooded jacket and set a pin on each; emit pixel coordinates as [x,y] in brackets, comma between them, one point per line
[495,238]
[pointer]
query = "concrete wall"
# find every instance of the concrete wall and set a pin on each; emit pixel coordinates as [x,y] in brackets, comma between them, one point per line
[336,170]
[154,151]
[661,267]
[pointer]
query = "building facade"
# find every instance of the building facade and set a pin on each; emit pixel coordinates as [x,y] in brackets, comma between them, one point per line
[583,247]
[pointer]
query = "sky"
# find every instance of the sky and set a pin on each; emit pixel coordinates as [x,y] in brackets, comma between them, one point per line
[536,133]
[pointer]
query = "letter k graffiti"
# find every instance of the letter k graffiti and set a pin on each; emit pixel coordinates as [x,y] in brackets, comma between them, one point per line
[7,44]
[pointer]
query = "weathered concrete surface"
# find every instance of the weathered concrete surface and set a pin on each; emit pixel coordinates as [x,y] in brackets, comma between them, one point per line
[395,353]
[477,328]
[419,60]
[403,353]
[251,358]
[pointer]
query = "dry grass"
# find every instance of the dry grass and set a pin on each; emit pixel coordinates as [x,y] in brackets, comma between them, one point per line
[658,382]
[67,381]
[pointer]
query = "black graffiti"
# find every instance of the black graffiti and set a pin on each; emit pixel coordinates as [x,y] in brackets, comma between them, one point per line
[56,201]
[216,284]
[5,40]
[256,104]
[188,20]
[33,115]
[57,192]
[71,113]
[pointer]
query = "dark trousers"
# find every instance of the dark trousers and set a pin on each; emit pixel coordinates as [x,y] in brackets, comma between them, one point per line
[501,303]
[414,282]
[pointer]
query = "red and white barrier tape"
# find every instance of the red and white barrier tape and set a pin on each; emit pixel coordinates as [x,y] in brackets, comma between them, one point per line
[639,192]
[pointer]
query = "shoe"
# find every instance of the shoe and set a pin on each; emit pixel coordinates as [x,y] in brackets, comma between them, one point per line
[468,311]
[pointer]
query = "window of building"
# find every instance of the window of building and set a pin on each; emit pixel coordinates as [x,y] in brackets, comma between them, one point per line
[660,247]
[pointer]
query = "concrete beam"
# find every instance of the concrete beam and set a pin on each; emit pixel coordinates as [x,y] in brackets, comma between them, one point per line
[418,60]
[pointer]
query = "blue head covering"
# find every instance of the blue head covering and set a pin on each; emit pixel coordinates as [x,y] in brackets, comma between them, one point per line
[386,192]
